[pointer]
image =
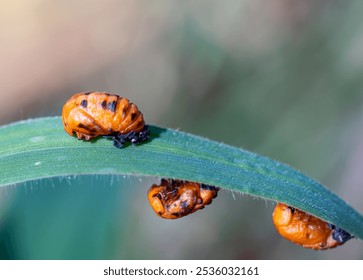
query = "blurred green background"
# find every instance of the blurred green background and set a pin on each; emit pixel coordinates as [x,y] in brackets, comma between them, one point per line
[281,78]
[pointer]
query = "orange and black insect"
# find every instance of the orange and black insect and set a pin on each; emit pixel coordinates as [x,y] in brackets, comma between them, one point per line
[173,199]
[306,230]
[93,114]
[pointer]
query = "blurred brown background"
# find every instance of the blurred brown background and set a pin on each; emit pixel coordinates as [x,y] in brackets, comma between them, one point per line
[280,78]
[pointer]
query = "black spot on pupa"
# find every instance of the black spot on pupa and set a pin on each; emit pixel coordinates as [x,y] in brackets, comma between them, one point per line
[104,104]
[81,125]
[112,106]
[90,130]
[292,209]
[84,103]
[87,93]
[184,204]
[124,110]
[133,116]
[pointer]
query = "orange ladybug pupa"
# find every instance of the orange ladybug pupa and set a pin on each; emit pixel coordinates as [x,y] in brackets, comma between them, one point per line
[173,199]
[93,114]
[306,230]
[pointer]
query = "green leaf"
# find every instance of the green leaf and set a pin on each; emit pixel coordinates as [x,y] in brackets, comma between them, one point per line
[39,148]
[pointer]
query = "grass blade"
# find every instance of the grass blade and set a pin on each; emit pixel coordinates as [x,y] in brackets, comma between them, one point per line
[39,148]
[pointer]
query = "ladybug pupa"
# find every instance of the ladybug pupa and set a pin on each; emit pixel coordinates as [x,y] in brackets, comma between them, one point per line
[173,199]
[93,114]
[307,230]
